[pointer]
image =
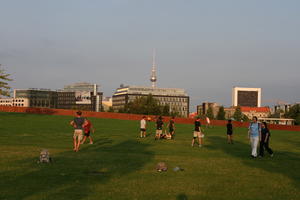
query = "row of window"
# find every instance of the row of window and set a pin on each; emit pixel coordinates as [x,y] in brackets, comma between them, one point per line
[15,104]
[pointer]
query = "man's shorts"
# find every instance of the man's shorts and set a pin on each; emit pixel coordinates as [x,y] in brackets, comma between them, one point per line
[78,134]
[158,132]
[87,134]
[229,133]
[143,129]
[197,134]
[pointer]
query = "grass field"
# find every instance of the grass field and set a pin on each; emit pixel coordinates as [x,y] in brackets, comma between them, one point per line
[122,166]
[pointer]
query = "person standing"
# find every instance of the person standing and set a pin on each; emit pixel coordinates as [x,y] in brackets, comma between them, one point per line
[197,133]
[143,125]
[88,127]
[264,142]
[207,122]
[159,127]
[254,134]
[229,132]
[78,122]
[171,126]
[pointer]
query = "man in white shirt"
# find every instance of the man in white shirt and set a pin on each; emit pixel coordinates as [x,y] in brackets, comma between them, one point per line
[143,127]
[207,122]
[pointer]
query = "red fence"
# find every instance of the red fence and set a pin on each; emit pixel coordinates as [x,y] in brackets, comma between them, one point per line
[124,116]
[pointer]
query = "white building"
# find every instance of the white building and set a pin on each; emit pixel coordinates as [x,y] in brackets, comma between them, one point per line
[250,97]
[21,102]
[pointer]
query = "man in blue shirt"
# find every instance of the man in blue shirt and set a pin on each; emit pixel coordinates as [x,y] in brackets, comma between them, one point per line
[254,135]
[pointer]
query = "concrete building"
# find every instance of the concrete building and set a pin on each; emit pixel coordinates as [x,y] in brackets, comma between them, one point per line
[106,103]
[250,97]
[21,102]
[43,98]
[202,109]
[79,96]
[177,99]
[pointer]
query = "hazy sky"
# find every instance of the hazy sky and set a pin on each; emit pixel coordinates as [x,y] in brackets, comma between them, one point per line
[205,47]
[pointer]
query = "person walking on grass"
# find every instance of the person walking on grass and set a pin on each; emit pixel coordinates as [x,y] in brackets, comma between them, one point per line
[143,126]
[264,142]
[159,127]
[171,126]
[78,122]
[254,135]
[197,133]
[88,127]
[229,132]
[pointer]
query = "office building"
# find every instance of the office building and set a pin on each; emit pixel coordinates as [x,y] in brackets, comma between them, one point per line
[177,99]
[79,96]
[20,102]
[249,97]
[202,109]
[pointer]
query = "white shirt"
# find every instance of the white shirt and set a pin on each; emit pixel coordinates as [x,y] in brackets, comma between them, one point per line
[143,123]
[207,120]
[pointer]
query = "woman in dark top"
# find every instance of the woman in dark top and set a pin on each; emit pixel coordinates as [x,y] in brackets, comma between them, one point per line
[229,132]
[159,127]
[197,133]
[264,142]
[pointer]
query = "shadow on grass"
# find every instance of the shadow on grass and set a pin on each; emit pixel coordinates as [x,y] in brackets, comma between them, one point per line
[71,175]
[181,197]
[283,162]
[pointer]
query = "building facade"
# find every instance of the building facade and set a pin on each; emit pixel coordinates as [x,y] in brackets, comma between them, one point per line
[250,97]
[177,99]
[250,112]
[202,109]
[20,102]
[79,96]
[43,98]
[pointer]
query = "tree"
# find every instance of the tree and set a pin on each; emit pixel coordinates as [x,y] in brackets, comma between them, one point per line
[245,118]
[294,113]
[238,115]
[146,106]
[210,113]
[110,109]
[166,110]
[221,113]
[4,87]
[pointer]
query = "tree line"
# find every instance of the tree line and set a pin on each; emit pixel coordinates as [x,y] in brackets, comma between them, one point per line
[148,106]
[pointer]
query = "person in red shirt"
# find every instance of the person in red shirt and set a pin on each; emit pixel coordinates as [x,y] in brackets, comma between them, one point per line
[88,127]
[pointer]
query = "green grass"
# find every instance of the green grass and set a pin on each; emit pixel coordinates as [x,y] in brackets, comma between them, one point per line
[122,166]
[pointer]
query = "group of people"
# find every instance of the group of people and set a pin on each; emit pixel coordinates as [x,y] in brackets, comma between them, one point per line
[82,130]
[258,133]
[169,132]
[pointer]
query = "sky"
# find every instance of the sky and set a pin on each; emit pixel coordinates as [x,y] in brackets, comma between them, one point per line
[206,47]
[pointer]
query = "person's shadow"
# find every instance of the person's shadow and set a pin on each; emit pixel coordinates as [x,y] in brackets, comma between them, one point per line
[283,162]
[71,172]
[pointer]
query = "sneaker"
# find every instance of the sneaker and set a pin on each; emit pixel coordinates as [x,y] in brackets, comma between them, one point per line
[272,155]
[200,145]
[91,142]
[192,145]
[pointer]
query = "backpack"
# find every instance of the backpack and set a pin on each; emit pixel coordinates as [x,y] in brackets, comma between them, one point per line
[45,156]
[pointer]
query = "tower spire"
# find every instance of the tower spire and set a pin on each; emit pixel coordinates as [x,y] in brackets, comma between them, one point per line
[153,78]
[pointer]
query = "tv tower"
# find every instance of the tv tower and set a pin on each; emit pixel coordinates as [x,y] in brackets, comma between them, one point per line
[153,78]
